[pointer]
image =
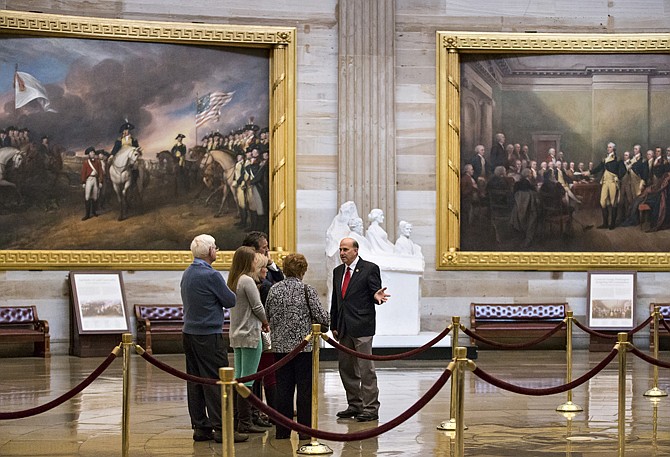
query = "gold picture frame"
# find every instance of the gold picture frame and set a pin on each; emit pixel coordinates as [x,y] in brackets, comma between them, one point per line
[450,47]
[281,45]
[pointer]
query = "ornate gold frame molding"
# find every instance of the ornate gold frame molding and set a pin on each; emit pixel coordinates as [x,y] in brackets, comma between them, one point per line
[281,42]
[450,45]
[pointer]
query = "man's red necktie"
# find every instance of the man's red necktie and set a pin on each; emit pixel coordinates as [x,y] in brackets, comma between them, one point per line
[345,283]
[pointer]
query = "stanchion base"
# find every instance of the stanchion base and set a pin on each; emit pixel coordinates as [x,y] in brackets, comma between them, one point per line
[450,425]
[569,407]
[655,392]
[314,448]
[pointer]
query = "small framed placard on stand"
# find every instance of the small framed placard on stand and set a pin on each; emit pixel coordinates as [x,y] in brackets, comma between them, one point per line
[99,315]
[611,305]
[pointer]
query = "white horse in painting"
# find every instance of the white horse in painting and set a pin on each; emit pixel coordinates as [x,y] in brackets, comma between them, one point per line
[13,156]
[226,166]
[121,175]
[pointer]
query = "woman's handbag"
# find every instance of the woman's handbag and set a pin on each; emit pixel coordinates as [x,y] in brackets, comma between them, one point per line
[324,328]
[267,341]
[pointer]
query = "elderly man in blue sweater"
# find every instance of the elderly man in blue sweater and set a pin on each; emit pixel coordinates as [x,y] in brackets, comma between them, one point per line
[205,295]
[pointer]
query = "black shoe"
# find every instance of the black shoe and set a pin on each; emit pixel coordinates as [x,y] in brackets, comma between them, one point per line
[238,437]
[348,413]
[202,434]
[367,417]
[250,429]
[259,421]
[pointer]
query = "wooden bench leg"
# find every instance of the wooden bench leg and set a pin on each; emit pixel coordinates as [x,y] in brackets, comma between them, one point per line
[42,348]
[148,344]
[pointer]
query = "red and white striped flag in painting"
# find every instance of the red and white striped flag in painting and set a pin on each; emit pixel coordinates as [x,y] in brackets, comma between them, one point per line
[209,106]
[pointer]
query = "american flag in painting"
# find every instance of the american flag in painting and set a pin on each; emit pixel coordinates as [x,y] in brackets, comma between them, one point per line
[208,106]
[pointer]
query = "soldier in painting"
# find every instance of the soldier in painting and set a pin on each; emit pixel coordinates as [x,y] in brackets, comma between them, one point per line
[178,151]
[126,138]
[91,180]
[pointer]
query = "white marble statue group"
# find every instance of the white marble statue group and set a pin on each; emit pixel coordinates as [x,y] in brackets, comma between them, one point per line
[401,265]
[374,244]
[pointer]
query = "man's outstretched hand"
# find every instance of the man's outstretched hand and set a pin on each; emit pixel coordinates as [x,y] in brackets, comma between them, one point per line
[381,296]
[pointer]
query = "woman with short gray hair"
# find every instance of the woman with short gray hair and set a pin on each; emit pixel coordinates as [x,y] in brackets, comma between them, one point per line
[292,307]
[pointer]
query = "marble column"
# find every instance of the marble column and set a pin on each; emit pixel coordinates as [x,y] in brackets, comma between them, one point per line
[367,163]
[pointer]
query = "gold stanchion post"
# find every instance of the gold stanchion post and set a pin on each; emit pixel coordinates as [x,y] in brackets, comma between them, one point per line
[227,382]
[127,343]
[622,343]
[654,424]
[569,406]
[450,424]
[655,391]
[461,363]
[315,447]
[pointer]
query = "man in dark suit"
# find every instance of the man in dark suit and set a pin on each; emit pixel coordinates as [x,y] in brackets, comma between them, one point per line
[259,241]
[498,155]
[479,164]
[357,288]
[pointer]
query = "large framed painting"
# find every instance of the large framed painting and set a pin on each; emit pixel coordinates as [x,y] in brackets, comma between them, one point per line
[122,140]
[552,151]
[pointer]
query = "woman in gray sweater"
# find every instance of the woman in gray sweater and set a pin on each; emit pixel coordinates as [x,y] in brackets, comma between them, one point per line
[246,323]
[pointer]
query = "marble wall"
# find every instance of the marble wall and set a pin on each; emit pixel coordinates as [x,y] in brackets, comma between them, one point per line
[416,21]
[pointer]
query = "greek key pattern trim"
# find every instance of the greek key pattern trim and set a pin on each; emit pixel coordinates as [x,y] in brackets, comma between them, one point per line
[555,42]
[117,260]
[140,30]
[550,261]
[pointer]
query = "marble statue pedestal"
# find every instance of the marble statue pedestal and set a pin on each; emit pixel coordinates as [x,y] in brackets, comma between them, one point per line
[399,319]
[400,314]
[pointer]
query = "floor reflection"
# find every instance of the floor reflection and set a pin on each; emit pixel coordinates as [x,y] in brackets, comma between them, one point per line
[499,423]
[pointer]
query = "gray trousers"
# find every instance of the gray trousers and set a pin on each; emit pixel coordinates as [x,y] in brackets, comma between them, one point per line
[358,375]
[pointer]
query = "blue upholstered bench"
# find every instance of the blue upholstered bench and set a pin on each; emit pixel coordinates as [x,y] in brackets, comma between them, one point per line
[163,323]
[20,324]
[511,323]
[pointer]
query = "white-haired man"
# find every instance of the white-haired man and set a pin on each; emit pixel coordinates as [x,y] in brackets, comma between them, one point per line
[610,186]
[205,295]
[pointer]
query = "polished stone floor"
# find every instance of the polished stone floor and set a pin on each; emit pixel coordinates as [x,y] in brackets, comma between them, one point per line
[499,423]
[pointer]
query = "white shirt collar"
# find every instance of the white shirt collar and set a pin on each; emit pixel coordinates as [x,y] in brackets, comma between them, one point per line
[353,265]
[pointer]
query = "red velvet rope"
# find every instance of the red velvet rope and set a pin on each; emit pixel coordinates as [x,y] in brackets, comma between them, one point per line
[63,398]
[211,381]
[665,324]
[547,390]
[174,372]
[356,436]
[641,326]
[649,359]
[544,337]
[607,336]
[275,366]
[402,355]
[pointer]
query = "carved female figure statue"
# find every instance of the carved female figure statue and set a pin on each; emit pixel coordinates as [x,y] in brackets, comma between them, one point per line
[376,235]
